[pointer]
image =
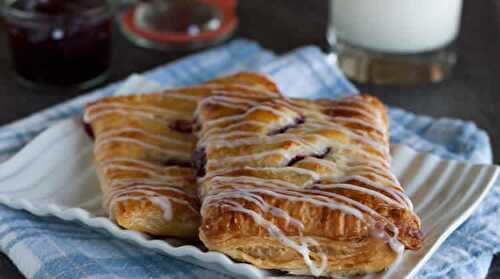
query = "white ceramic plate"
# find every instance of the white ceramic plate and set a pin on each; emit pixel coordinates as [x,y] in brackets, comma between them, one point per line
[54,175]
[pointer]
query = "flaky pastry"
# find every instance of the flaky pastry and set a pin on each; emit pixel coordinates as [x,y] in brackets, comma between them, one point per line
[143,147]
[301,186]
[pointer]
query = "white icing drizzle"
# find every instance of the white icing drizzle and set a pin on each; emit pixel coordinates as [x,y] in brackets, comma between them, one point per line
[359,189]
[163,202]
[127,160]
[383,172]
[366,113]
[273,230]
[168,152]
[332,165]
[314,175]
[115,132]
[395,191]
[145,188]
[236,126]
[155,179]
[151,188]
[292,193]
[262,139]
[231,102]
[155,184]
[250,157]
[286,118]
[231,130]
[359,151]
[121,108]
[152,194]
[383,149]
[223,137]
[165,206]
[355,99]
[359,122]
[286,155]
[152,174]
[224,88]
[317,197]
[368,168]
[151,184]
[376,114]
[88,118]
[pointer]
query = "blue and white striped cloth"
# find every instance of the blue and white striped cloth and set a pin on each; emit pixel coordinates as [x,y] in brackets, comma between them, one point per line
[46,247]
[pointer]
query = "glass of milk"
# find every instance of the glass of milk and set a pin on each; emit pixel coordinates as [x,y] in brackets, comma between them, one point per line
[395,41]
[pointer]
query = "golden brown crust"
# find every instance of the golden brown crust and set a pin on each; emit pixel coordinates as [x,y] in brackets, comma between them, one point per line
[143,151]
[133,150]
[256,81]
[345,258]
[144,216]
[278,170]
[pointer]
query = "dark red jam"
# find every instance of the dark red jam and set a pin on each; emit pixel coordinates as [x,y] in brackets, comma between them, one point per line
[200,161]
[181,126]
[299,158]
[59,42]
[88,130]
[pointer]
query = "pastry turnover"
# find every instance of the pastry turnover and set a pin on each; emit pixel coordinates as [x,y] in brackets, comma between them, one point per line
[143,148]
[297,185]
[301,186]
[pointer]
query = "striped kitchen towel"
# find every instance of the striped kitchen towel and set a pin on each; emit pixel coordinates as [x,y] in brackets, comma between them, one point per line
[46,247]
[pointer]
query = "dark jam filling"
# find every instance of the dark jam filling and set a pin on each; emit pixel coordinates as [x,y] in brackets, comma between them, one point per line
[60,52]
[196,124]
[175,162]
[415,233]
[299,158]
[200,161]
[298,121]
[181,126]
[88,130]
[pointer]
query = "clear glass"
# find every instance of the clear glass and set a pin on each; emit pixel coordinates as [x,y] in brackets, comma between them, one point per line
[395,41]
[178,24]
[59,43]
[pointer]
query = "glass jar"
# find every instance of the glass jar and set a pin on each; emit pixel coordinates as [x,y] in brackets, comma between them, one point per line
[58,42]
[178,24]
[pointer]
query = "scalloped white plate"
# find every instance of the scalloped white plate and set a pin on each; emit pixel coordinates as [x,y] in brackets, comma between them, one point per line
[62,182]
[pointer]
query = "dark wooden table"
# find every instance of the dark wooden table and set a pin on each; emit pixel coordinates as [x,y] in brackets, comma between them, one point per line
[281,25]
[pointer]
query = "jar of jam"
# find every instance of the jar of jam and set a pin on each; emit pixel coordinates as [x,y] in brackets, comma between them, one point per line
[61,43]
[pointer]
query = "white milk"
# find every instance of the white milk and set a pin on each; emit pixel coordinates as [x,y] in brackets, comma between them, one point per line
[402,26]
